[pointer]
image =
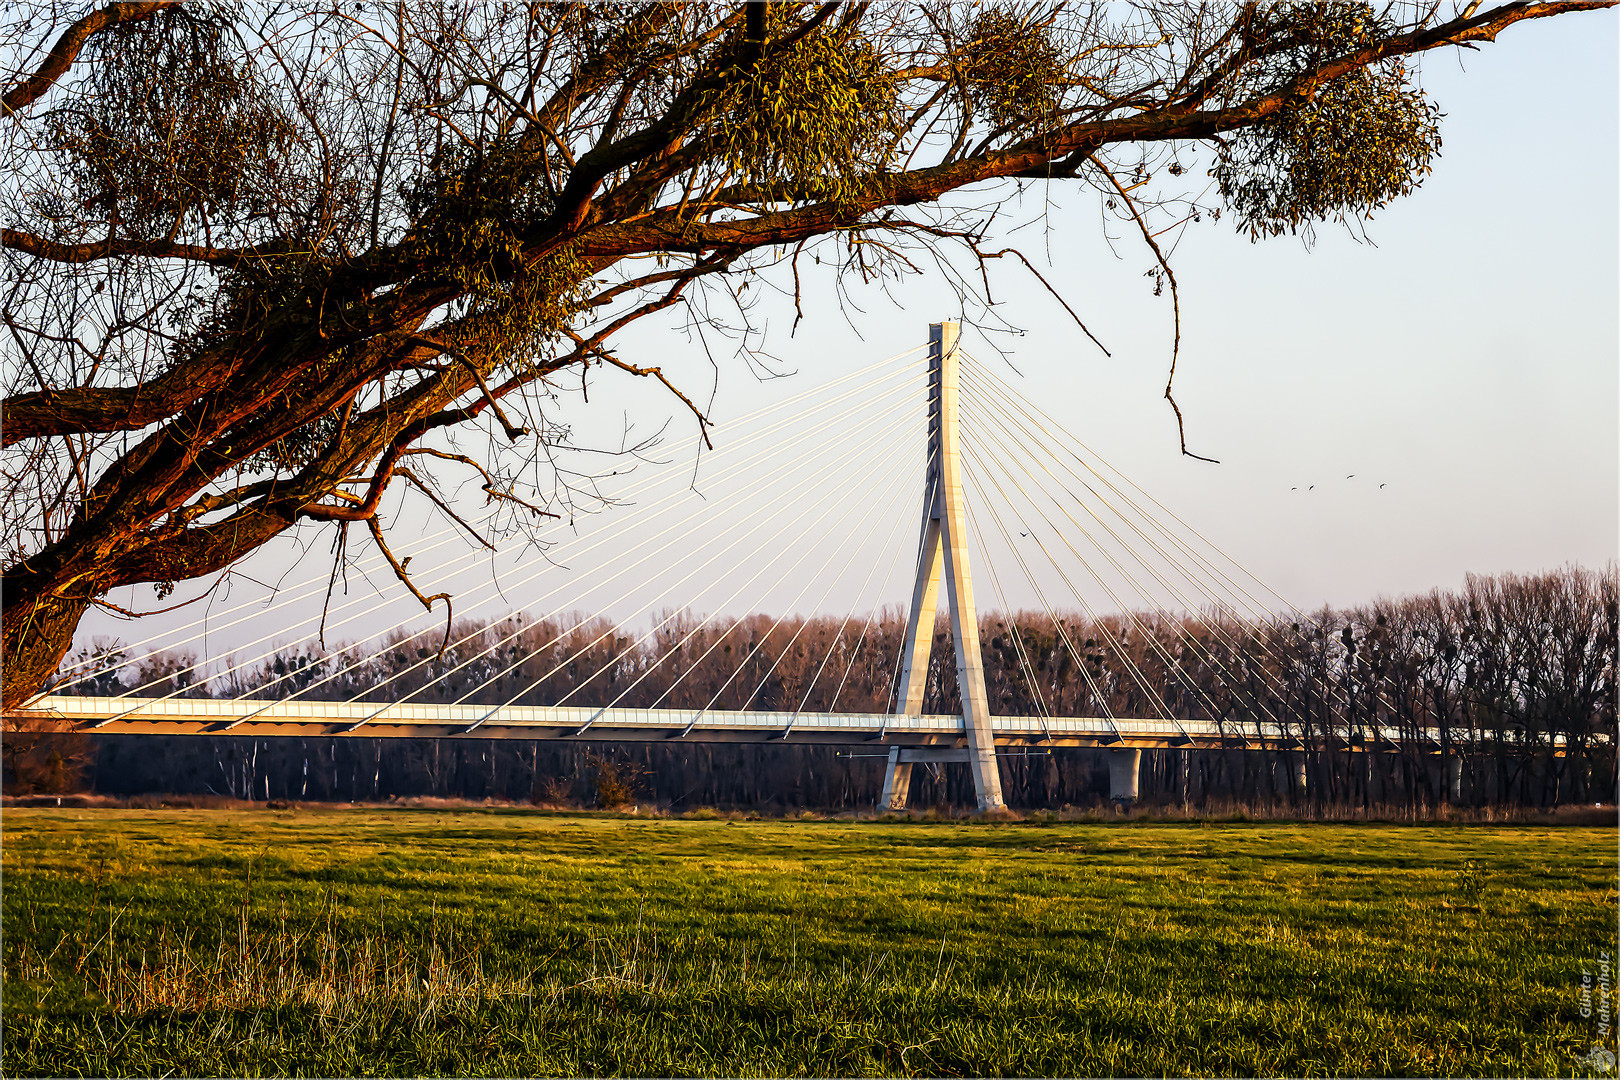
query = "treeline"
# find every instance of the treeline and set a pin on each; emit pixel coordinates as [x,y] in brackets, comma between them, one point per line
[1511,680]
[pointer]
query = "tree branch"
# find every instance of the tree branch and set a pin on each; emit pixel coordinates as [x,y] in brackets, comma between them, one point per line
[399,572]
[513,431]
[112,247]
[68,46]
[593,345]
[422,486]
[1048,286]
[490,488]
[1175,301]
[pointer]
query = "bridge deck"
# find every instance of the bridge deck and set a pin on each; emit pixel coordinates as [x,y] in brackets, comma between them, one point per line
[203,716]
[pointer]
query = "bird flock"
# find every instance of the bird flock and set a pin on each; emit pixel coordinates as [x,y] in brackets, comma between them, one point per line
[1352,476]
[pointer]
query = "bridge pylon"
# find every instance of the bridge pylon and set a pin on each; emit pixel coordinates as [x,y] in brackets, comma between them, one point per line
[944,554]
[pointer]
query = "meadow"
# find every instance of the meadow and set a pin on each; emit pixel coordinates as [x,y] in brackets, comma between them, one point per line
[353,942]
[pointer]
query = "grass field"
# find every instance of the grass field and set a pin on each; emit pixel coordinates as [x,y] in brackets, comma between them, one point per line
[351,942]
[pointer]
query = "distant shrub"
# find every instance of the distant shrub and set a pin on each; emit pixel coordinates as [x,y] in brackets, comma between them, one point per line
[44,756]
[618,783]
[554,791]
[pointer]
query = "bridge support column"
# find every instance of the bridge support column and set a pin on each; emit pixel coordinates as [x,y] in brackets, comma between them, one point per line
[1454,771]
[1124,767]
[896,782]
[1299,776]
[944,555]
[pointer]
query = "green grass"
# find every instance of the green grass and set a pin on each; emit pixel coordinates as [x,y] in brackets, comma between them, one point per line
[417,942]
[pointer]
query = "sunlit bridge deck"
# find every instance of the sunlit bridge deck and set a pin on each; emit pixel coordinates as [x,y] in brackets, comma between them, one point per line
[200,716]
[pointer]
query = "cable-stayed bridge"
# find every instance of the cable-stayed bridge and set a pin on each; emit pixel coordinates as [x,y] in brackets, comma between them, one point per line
[985,463]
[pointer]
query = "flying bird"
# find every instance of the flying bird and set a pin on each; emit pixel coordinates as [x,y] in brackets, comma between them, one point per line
[1352,476]
[1382,486]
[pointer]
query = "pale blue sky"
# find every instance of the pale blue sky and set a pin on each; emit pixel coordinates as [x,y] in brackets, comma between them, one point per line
[1467,359]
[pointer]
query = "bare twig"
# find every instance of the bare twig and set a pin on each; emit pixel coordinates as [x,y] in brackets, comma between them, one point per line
[103,602]
[513,431]
[1175,301]
[340,547]
[424,488]
[1055,294]
[593,345]
[399,572]
[491,487]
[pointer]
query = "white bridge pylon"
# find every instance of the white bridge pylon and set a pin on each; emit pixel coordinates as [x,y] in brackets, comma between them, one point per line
[944,552]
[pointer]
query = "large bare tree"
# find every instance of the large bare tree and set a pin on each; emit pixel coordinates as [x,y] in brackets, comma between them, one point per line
[257,257]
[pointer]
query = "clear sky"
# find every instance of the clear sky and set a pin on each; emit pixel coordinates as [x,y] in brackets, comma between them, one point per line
[1466,359]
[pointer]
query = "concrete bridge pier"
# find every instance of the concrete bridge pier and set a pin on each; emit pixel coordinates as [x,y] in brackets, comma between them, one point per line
[1454,771]
[896,782]
[897,775]
[1300,786]
[1124,768]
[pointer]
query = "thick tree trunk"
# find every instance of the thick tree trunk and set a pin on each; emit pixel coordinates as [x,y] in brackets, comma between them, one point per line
[35,633]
